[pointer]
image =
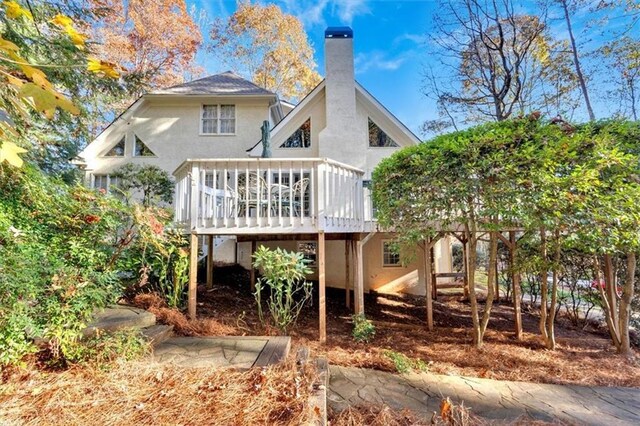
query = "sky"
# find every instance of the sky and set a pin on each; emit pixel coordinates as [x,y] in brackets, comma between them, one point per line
[389,46]
[392,44]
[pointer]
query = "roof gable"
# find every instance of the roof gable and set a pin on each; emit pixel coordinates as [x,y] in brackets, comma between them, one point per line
[225,84]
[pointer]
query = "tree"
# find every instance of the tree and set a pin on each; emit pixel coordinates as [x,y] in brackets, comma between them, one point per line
[156,40]
[491,49]
[268,45]
[624,55]
[576,58]
[47,69]
[150,183]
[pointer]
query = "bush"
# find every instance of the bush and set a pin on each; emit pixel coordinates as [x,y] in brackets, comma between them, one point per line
[106,348]
[363,329]
[57,245]
[283,275]
[404,364]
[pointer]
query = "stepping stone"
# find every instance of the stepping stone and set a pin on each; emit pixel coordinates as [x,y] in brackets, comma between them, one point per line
[157,333]
[119,317]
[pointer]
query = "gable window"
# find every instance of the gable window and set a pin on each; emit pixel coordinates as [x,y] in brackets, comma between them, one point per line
[390,254]
[301,138]
[378,138]
[140,149]
[218,120]
[117,150]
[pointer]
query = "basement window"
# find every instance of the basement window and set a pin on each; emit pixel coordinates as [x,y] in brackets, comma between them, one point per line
[309,252]
[378,138]
[390,254]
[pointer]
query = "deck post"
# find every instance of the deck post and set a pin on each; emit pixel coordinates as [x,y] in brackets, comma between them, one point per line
[358,289]
[193,274]
[210,261]
[434,282]
[427,259]
[322,302]
[347,275]
[252,270]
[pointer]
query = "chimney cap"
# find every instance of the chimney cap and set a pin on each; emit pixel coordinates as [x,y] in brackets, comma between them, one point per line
[338,32]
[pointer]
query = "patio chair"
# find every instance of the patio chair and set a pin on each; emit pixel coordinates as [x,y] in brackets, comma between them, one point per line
[251,193]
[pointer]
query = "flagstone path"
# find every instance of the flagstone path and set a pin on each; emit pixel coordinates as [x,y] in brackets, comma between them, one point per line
[490,399]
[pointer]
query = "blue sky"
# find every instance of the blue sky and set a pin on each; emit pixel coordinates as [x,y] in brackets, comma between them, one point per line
[389,47]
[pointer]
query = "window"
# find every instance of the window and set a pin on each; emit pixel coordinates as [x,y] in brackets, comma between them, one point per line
[218,119]
[301,138]
[390,254]
[117,150]
[309,250]
[140,149]
[378,138]
[105,182]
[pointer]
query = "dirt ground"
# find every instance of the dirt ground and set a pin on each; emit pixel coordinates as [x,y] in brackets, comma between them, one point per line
[582,357]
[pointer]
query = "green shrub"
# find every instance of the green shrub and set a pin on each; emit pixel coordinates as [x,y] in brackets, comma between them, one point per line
[405,364]
[106,348]
[283,275]
[363,329]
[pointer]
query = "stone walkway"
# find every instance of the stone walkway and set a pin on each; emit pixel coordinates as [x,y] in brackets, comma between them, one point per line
[491,399]
[217,352]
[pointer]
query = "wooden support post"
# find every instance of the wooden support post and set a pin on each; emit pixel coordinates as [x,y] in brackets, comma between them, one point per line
[322,302]
[347,274]
[515,282]
[497,300]
[252,270]
[193,275]
[358,288]
[428,245]
[209,261]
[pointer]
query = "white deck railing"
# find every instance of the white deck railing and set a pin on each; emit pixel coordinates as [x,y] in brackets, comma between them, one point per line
[269,195]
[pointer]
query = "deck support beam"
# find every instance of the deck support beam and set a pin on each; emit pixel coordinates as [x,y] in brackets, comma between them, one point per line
[322,299]
[210,241]
[193,275]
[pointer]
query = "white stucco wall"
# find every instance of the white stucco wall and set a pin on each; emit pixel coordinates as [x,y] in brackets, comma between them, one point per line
[171,129]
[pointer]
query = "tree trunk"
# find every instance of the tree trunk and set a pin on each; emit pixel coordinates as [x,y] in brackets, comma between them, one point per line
[606,305]
[576,62]
[491,275]
[515,283]
[543,285]
[625,305]
[551,318]
[471,279]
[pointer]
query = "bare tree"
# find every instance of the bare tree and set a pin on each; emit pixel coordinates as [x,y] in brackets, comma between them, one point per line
[490,49]
[576,59]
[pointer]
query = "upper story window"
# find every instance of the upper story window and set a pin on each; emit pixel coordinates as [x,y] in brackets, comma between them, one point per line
[117,150]
[301,138]
[218,120]
[378,138]
[140,149]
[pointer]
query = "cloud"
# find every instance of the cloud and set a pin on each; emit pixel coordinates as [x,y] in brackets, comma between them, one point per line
[377,60]
[348,9]
[419,39]
[313,12]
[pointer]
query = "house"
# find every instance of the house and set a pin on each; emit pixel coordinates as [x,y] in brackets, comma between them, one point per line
[311,194]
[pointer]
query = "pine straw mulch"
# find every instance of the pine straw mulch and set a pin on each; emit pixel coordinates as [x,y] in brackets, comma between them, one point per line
[144,393]
[581,358]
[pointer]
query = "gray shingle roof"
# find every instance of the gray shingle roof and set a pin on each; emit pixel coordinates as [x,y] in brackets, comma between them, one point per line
[226,83]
